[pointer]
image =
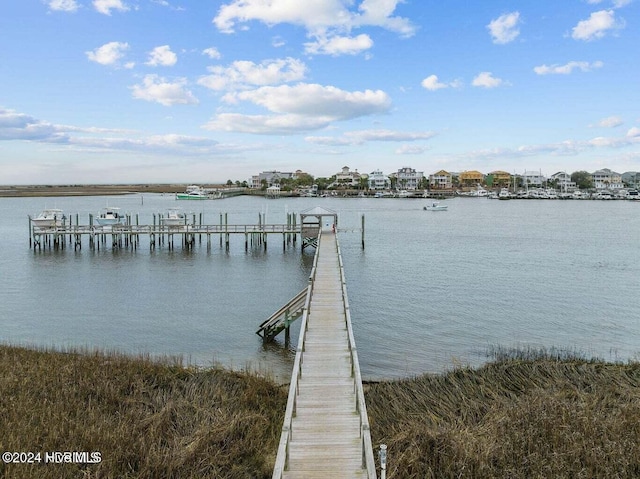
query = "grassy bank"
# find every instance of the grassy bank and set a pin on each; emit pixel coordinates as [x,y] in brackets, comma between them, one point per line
[515,418]
[146,419]
[533,417]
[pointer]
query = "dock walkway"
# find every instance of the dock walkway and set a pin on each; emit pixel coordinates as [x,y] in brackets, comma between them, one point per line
[326,429]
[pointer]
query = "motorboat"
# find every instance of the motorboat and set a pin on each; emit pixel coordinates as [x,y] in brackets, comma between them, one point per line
[48,218]
[504,194]
[193,192]
[174,217]
[436,206]
[110,216]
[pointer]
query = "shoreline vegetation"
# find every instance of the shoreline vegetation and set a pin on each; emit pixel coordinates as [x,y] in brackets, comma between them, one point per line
[523,415]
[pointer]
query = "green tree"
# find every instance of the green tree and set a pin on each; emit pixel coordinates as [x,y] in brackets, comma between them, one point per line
[582,179]
[304,179]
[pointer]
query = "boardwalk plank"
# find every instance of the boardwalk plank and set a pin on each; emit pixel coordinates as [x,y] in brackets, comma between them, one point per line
[326,439]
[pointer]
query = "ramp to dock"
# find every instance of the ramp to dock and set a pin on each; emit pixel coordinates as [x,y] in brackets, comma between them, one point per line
[326,429]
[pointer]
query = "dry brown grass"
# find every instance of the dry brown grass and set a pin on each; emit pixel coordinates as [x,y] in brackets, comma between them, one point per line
[540,418]
[147,420]
[546,417]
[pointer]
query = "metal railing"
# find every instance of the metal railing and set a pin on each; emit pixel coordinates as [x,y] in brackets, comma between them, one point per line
[368,461]
[282,458]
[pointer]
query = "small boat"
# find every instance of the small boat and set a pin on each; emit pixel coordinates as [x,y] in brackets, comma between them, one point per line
[436,206]
[110,216]
[48,218]
[174,217]
[504,194]
[193,192]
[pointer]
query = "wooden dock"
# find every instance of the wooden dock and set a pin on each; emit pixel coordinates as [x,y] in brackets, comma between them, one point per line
[326,430]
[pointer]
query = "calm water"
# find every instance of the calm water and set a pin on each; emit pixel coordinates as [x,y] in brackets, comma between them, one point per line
[431,290]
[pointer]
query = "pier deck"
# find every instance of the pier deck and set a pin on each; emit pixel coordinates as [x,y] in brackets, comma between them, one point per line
[326,430]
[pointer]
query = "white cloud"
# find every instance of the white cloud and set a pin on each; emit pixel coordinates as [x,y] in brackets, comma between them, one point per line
[596,26]
[634,133]
[610,122]
[63,5]
[338,45]
[432,83]
[105,6]
[244,74]
[318,17]
[616,3]
[504,29]
[18,126]
[298,108]
[155,88]
[411,150]
[162,56]
[567,68]
[109,53]
[212,53]
[360,137]
[316,100]
[487,80]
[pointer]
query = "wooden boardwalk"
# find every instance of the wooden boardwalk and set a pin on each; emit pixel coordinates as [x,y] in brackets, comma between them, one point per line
[326,430]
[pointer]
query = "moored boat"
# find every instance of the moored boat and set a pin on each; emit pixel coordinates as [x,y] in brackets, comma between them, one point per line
[48,218]
[110,216]
[174,217]
[193,192]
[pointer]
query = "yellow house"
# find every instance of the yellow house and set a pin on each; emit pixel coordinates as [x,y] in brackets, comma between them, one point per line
[471,178]
[500,178]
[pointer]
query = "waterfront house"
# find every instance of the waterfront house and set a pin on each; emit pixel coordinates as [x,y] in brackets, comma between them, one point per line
[498,179]
[606,179]
[563,181]
[269,178]
[533,178]
[347,178]
[408,178]
[379,181]
[471,178]
[441,180]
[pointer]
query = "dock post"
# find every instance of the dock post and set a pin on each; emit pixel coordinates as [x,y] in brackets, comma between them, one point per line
[362,231]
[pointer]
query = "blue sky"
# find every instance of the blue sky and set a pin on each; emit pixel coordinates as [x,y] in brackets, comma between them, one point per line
[117,91]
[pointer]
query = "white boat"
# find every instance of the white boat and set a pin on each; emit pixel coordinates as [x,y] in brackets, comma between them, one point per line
[193,192]
[633,195]
[504,194]
[174,217]
[110,216]
[479,192]
[436,206]
[48,218]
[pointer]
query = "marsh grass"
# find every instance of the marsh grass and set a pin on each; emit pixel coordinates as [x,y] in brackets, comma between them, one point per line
[545,416]
[147,419]
[534,415]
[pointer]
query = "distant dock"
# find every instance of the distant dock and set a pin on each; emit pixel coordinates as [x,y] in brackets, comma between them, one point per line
[70,232]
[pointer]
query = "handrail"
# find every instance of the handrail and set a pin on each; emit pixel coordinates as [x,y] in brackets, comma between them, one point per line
[368,461]
[282,458]
[294,303]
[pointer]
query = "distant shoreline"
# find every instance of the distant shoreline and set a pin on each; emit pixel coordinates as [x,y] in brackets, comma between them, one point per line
[21,191]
